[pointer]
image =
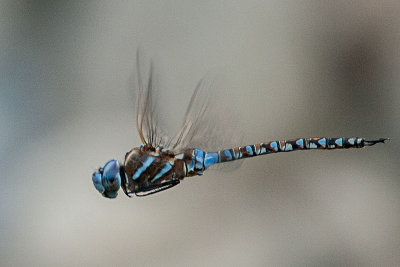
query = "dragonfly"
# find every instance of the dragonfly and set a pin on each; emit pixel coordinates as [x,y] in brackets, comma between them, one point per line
[160,163]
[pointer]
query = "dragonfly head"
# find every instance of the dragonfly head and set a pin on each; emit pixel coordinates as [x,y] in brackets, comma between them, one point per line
[107,180]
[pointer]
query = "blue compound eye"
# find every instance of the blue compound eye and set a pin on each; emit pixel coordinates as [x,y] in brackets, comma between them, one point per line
[96,178]
[107,180]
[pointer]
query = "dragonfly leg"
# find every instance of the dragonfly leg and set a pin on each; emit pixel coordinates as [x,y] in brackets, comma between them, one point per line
[124,181]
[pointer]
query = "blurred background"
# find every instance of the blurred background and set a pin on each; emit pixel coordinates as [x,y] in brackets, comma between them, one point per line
[291,68]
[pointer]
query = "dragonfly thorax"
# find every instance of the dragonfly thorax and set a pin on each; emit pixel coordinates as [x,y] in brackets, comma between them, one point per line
[147,166]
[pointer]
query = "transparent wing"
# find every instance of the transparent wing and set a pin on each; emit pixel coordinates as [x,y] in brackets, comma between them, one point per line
[209,123]
[149,130]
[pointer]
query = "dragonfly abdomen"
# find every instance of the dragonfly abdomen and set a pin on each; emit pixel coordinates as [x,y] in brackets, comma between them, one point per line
[196,161]
[293,145]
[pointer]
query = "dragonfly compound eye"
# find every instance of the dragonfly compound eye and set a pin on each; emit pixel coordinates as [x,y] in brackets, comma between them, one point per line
[107,180]
[96,178]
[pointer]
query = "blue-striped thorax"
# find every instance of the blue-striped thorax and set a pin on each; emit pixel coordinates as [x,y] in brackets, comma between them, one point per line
[148,170]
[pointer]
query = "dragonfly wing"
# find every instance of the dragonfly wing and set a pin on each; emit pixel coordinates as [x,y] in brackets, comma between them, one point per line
[147,120]
[209,123]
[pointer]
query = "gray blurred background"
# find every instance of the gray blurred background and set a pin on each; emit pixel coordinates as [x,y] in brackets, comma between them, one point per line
[292,68]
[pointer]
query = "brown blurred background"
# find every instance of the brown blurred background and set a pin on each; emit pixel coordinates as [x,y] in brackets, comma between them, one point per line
[292,68]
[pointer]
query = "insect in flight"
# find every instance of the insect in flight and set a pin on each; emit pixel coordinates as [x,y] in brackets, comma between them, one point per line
[159,164]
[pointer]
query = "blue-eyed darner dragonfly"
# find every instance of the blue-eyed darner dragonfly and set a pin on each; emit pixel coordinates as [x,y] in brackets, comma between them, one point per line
[152,167]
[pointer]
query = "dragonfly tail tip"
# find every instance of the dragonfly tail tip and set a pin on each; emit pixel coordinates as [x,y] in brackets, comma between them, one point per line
[373,142]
